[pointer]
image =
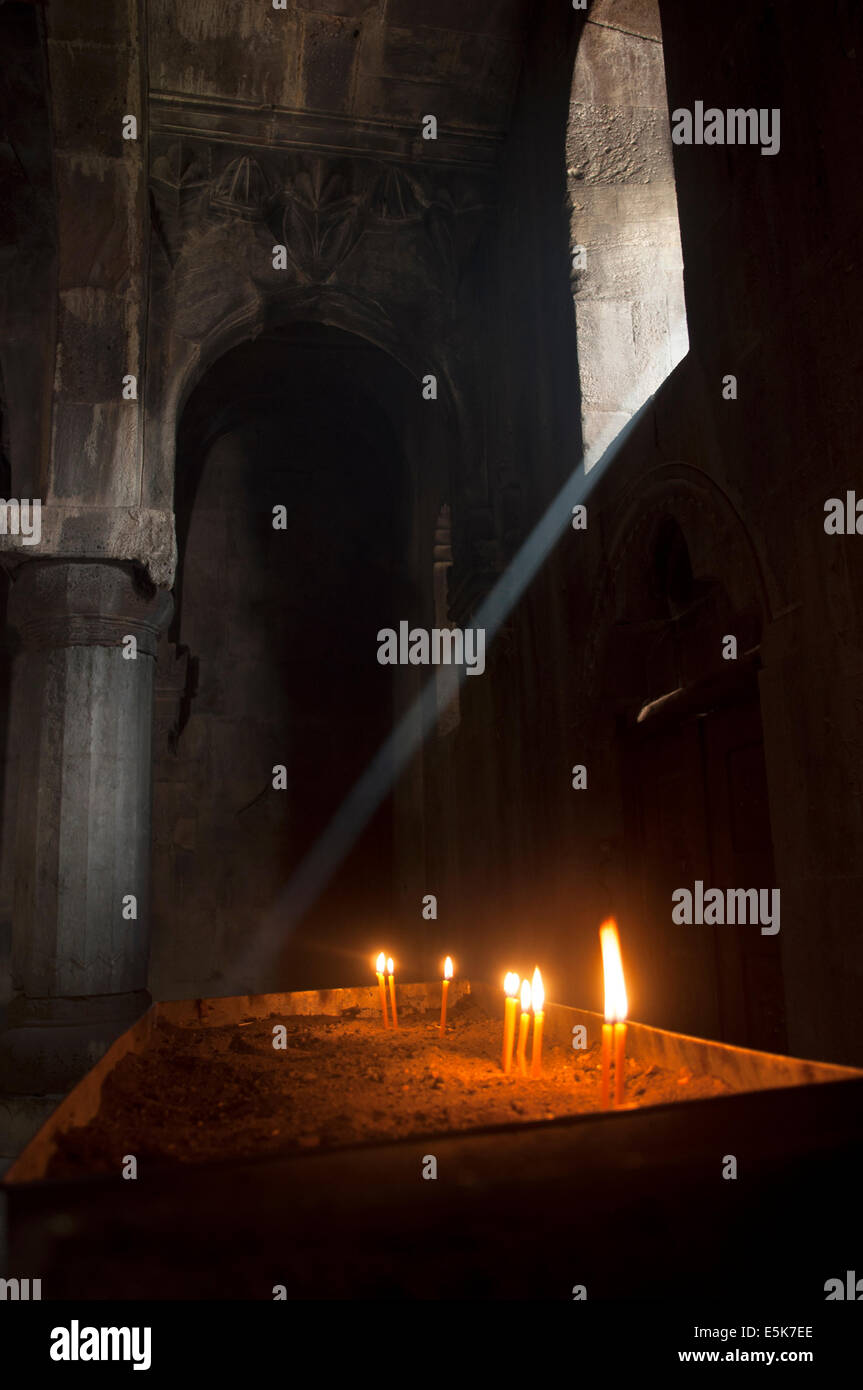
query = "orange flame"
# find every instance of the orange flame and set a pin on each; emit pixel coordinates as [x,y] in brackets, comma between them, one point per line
[389,965]
[525,996]
[447,969]
[380,963]
[616,1005]
[537,993]
[511,983]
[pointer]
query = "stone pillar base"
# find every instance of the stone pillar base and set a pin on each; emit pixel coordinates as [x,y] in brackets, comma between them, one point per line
[49,1044]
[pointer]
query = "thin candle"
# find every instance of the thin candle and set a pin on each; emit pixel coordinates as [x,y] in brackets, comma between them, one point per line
[537,999]
[619,1062]
[379,967]
[523,1024]
[447,976]
[616,1009]
[510,1009]
[391,974]
[607,1032]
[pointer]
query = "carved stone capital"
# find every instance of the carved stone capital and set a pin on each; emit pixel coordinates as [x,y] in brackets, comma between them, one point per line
[54,603]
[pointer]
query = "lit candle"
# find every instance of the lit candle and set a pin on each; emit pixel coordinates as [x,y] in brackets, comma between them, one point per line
[510,1009]
[537,999]
[619,1061]
[616,1008]
[379,967]
[607,1030]
[523,1024]
[447,976]
[392,991]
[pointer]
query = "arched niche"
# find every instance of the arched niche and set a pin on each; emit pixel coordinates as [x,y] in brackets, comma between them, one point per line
[677,754]
[673,518]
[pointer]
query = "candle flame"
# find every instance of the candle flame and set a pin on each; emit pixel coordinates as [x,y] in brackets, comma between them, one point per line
[380,963]
[525,996]
[511,983]
[537,993]
[447,969]
[389,965]
[616,1006]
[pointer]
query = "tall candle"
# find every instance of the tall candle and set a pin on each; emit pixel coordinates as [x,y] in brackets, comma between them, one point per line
[379,967]
[605,1081]
[616,1008]
[523,1024]
[510,1009]
[392,991]
[619,1062]
[537,999]
[447,976]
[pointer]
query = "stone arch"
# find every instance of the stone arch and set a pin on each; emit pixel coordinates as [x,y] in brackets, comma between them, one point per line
[185,362]
[344,309]
[434,427]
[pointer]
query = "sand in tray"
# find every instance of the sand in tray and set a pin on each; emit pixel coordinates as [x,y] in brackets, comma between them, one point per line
[197,1095]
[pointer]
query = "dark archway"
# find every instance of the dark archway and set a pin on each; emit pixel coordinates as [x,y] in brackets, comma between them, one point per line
[280,624]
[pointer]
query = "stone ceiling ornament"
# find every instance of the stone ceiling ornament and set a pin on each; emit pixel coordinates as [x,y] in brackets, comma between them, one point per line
[178,182]
[317,205]
[243,189]
[396,198]
[178,168]
[454,216]
[323,219]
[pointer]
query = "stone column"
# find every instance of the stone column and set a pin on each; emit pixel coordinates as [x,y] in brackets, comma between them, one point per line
[79,948]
